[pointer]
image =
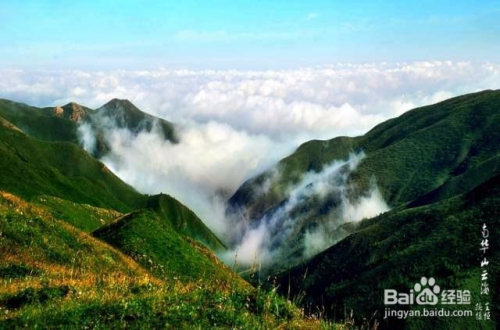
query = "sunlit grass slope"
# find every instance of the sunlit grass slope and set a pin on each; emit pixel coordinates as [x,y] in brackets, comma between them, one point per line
[54,275]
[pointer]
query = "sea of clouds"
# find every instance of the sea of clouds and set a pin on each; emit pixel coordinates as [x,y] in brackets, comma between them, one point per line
[234,124]
[342,99]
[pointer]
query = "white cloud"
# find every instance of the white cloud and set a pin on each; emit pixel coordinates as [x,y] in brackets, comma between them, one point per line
[323,102]
[86,137]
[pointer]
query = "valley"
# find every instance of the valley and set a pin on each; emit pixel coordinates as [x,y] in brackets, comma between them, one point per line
[321,233]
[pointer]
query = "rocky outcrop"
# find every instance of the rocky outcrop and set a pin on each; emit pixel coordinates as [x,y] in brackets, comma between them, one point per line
[58,112]
[71,111]
[75,111]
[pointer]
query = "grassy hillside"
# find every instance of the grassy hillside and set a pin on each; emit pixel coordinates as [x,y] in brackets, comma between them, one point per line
[183,220]
[424,156]
[395,249]
[154,243]
[53,275]
[46,264]
[175,216]
[82,216]
[410,156]
[31,168]
[426,148]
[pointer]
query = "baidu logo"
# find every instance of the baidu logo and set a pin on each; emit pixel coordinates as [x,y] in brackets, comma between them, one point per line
[426,292]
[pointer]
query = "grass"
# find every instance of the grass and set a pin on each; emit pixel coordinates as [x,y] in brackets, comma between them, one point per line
[395,249]
[54,275]
[82,188]
[32,168]
[168,307]
[152,241]
[410,156]
[183,220]
[82,216]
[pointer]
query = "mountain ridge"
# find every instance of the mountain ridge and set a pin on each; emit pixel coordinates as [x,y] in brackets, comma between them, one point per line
[62,123]
[126,115]
[437,151]
[32,168]
[393,251]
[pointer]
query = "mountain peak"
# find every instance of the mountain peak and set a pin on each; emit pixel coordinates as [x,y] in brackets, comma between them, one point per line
[72,111]
[126,114]
[119,102]
[123,106]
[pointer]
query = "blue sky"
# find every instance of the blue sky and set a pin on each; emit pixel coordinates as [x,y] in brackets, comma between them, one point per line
[243,34]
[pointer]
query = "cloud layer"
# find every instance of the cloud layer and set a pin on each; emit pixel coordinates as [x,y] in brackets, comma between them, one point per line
[322,102]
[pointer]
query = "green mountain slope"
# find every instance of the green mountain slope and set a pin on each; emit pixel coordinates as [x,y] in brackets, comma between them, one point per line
[53,275]
[62,124]
[82,216]
[394,250]
[48,124]
[437,167]
[153,242]
[31,168]
[410,155]
[183,220]
[425,155]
